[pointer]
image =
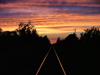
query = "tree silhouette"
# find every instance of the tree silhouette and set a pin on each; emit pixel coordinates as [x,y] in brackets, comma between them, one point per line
[23,55]
[90,34]
[34,33]
[0,31]
[72,38]
[58,40]
[25,28]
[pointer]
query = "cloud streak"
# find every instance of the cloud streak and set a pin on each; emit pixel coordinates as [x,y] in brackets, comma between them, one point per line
[50,16]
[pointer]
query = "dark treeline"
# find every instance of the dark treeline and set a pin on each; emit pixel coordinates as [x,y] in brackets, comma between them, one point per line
[80,56]
[23,50]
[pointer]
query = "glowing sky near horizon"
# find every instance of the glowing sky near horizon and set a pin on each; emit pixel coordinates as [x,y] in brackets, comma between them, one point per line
[54,18]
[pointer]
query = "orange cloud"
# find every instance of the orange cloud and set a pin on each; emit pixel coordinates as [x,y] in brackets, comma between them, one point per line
[50,17]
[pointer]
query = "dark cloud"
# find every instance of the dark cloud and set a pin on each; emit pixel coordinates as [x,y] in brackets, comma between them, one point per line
[3,1]
[64,3]
[80,10]
[8,1]
[61,27]
[97,0]
[56,2]
[53,2]
[83,10]
[45,8]
[74,3]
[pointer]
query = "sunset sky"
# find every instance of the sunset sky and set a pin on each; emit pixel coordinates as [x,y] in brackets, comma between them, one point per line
[54,18]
